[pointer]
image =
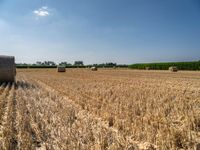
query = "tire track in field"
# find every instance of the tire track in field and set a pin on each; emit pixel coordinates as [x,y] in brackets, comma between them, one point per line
[3,101]
[28,133]
[102,124]
[4,108]
[10,131]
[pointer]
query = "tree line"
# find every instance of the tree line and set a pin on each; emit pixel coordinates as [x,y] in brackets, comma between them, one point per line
[77,64]
[194,65]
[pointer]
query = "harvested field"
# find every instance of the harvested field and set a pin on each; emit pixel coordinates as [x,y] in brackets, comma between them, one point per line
[110,109]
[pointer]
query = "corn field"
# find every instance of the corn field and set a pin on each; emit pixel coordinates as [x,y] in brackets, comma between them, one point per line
[109,109]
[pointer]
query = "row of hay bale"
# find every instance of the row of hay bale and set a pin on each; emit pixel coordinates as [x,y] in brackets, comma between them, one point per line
[63,69]
[8,68]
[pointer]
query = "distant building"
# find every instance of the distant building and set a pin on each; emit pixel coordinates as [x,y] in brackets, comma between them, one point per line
[49,63]
[38,63]
[78,63]
[64,64]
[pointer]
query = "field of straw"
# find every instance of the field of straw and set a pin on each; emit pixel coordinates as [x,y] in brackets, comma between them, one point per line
[109,109]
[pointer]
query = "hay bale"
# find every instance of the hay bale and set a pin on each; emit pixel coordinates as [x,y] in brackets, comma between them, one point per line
[61,69]
[173,69]
[94,68]
[147,68]
[7,68]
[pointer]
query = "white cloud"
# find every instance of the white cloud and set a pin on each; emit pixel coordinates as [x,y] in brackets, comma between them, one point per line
[42,12]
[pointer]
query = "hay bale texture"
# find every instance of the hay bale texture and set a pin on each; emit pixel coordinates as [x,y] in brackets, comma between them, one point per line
[7,68]
[173,69]
[61,69]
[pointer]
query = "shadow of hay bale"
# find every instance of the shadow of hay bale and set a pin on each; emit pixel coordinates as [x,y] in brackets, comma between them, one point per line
[24,85]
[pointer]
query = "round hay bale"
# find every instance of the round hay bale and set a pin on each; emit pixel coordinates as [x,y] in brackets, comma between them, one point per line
[61,69]
[173,69]
[94,68]
[7,68]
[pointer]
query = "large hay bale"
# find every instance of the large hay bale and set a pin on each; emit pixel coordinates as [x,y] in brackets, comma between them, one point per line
[173,69]
[7,68]
[61,69]
[94,68]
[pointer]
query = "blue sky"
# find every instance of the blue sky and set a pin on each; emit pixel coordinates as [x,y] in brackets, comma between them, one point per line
[96,31]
